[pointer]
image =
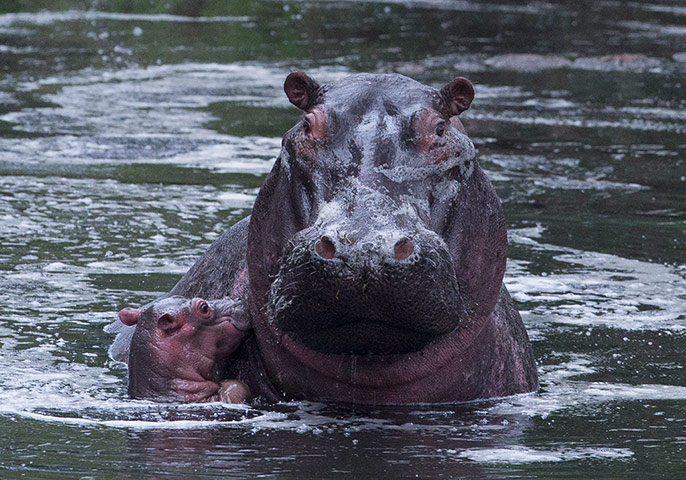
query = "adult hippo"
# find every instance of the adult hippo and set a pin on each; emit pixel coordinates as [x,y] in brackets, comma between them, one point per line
[372,264]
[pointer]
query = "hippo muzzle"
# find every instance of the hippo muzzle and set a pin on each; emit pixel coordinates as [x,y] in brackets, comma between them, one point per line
[366,279]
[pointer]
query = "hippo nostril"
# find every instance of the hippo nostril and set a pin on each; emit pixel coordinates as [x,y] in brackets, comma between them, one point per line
[403,249]
[325,248]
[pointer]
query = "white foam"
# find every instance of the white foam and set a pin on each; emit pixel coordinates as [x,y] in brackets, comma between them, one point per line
[674,10]
[261,421]
[536,172]
[459,5]
[565,183]
[16,51]
[655,29]
[55,267]
[48,18]
[601,391]
[641,124]
[588,293]
[237,199]
[527,62]
[521,454]
[151,115]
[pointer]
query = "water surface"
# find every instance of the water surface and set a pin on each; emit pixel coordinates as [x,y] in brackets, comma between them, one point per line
[134,133]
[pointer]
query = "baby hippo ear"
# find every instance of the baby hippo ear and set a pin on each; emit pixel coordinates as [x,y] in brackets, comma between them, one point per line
[170,323]
[129,316]
[300,89]
[458,95]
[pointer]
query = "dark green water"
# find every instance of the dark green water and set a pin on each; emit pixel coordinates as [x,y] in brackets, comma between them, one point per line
[132,133]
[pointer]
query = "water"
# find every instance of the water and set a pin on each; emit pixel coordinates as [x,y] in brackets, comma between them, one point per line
[131,137]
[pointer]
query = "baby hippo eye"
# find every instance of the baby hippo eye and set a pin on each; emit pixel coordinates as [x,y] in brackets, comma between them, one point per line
[307,126]
[440,129]
[201,309]
[204,308]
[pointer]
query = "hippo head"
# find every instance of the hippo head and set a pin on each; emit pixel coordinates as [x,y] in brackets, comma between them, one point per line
[376,234]
[177,344]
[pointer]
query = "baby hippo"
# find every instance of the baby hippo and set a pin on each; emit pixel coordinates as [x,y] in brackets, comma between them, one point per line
[178,347]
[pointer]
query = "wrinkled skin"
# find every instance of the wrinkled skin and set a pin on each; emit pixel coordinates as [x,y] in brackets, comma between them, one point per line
[180,346]
[375,255]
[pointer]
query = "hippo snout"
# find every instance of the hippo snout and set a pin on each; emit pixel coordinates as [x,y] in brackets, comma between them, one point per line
[381,292]
[382,247]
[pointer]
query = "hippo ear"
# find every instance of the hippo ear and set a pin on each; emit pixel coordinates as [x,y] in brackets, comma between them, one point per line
[129,316]
[458,95]
[169,323]
[300,89]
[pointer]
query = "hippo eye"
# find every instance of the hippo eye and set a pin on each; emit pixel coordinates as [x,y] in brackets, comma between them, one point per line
[440,129]
[315,124]
[204,308]
[307,127]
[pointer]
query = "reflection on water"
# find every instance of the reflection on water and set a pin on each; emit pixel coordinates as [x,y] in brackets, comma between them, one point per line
[132,136]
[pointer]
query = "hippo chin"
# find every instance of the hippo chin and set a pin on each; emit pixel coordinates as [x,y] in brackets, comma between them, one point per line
[372,264]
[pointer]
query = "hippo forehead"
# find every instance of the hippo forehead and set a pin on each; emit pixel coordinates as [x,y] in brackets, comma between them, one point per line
[369,116]
[389,94]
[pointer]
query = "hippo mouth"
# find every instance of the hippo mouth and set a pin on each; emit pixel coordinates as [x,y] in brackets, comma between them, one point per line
[363,337]
[241,323]
[362,310]
[229,311]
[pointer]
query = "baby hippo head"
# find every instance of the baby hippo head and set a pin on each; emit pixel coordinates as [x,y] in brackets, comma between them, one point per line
[179,344]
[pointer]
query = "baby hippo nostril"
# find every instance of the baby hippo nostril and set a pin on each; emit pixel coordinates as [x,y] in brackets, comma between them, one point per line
[325,248]
[403,249]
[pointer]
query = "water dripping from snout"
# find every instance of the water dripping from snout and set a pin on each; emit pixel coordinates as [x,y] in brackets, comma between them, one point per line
[353,368]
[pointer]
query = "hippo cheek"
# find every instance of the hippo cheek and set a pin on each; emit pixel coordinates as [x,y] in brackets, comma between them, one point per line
[225,337]
[269,232]
[473,226]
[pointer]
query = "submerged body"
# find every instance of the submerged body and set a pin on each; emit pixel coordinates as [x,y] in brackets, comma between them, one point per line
[372,264]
